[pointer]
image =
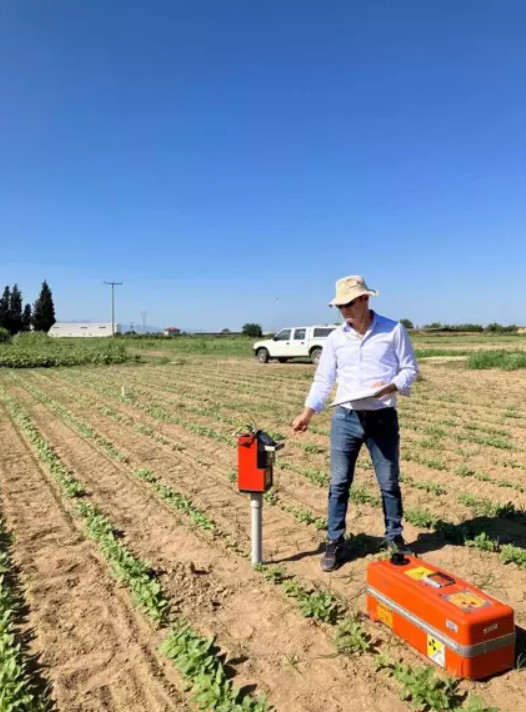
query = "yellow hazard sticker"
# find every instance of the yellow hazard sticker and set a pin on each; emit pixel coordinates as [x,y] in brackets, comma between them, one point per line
[467,600]
[436,651]
[419,573]
[384,614]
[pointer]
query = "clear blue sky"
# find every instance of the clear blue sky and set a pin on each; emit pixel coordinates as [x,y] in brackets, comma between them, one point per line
[230,159]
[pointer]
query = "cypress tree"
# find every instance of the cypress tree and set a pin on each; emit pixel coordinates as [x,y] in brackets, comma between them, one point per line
[15,309]
[5,305]
[26,318]
[44,310]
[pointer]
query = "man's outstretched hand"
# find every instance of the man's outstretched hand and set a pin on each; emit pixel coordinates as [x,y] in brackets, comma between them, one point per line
[301,423]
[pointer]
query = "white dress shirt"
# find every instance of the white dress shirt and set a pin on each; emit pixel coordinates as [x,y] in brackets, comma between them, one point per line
[384,353]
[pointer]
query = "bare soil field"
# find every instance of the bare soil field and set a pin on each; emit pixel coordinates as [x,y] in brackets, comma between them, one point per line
[98,465]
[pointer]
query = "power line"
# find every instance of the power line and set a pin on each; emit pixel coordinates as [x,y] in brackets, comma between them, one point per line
[113,285]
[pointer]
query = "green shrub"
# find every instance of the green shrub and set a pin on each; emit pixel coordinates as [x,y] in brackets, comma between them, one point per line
[5,336]
[38,350]
[32,339]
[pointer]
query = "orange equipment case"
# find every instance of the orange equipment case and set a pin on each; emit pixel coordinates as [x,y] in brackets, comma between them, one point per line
[451,622]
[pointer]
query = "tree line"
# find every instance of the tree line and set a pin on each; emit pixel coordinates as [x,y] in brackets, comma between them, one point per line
[15,317]
[494,327]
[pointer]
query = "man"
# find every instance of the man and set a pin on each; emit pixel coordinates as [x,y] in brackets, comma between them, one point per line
[367,354]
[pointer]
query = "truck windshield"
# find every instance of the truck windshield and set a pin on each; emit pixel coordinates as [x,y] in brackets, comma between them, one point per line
[323,331]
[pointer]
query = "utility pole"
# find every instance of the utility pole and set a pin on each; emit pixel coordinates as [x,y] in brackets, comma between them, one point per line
[143,317]
[113,285]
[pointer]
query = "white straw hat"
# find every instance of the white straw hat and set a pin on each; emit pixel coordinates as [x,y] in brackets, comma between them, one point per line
[349,288]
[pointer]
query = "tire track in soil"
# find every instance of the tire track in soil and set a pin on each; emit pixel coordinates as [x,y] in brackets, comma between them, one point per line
[223,593]
[96,654]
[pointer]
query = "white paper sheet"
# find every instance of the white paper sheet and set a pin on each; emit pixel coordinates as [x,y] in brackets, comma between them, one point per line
[358,395]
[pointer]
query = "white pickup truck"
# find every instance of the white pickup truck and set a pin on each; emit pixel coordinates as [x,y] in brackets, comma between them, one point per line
[306,341]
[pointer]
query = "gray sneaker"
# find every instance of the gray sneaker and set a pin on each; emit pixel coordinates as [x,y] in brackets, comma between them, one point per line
[332,557]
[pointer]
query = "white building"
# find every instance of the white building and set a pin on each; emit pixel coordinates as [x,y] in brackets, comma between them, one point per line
[81,329]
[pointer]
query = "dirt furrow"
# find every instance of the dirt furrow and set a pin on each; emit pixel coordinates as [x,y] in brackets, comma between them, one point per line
[96,653]
[223,594]
[227,508]
[506,583]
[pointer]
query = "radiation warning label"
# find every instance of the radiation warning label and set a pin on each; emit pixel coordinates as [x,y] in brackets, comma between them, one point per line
[418,573]
[436,651]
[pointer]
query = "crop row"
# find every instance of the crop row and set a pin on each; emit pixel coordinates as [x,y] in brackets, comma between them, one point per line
[465,533]
[359,495]
[207,676]
[351,637]
[158,410]
[301,514]
[255,386]
[18,690]
[417,422]
[183,504]
[420,517]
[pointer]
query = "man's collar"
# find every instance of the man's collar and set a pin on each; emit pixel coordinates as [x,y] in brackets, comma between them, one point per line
[347,328]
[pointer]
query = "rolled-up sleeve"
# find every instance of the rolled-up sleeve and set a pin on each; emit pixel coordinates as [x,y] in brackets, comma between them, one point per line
[407,365]
[324,377]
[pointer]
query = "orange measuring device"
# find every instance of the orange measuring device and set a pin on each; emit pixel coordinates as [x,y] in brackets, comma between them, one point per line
[454,624]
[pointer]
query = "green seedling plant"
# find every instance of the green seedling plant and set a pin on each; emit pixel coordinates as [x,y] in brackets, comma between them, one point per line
[197,659]
[421,517]
[421,687]
[313,448]
[319,605]
[359,495]
[176,500]
[272,574]
[351,638]
[424,485]
[484,507]
[305,516]
[513,555]
[432,463]
[317,478]
[495,442]
[512,485]
[483,542]
[476,704]
[271,496]
[145,588]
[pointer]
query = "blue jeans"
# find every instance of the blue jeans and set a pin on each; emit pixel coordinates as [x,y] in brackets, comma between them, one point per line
[378,429]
